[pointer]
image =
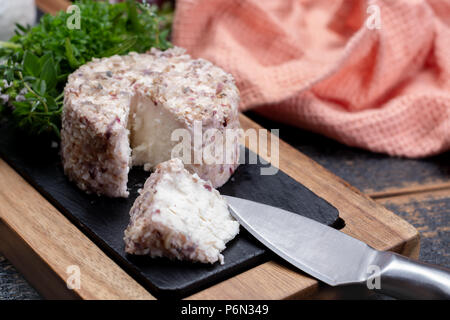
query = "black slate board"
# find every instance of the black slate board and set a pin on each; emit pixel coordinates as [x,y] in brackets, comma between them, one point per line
[104,219]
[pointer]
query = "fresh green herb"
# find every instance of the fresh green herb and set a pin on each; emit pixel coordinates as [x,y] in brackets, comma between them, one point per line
[36,61]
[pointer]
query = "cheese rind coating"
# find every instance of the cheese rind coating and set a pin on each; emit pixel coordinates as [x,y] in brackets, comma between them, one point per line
[180,216]
[101,115]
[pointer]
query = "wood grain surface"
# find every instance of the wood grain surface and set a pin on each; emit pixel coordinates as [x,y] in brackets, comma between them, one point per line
[429,213]
[377,175]
[416,189]
[52,6]
[364,220]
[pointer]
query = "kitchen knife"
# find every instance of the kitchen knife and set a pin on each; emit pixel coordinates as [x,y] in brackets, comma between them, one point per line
[336,258]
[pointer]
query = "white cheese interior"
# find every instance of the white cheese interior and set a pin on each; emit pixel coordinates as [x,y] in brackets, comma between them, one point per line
[196,210]
[150,128]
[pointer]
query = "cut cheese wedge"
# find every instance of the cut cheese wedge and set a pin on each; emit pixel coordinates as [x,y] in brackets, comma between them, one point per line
[180,216]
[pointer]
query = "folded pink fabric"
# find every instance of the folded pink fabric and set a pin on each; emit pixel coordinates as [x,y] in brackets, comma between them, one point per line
[321,65]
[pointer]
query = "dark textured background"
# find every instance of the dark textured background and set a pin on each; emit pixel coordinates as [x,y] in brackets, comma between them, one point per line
[371,173]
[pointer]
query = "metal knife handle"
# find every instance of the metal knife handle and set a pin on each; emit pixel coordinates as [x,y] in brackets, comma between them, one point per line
[404,278]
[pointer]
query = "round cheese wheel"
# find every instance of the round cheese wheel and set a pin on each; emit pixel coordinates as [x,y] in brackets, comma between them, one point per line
[143,109]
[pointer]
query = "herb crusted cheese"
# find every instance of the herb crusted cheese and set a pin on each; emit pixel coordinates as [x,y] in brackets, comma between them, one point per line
[120,111]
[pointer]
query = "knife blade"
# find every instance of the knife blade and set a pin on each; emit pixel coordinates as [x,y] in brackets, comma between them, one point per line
[336,258]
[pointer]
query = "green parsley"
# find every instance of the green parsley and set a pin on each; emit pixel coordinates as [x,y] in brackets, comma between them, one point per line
[36,61]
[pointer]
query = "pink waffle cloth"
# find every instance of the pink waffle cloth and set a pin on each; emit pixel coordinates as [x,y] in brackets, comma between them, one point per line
[324,65]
